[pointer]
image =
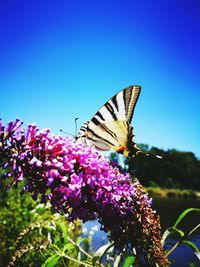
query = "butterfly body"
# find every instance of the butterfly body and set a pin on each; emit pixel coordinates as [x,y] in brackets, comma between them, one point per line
[110,128]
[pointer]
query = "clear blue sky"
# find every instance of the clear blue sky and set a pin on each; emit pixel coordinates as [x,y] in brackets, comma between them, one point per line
[64,59]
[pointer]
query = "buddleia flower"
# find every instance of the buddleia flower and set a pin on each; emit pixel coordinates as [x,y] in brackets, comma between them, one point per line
[82,184]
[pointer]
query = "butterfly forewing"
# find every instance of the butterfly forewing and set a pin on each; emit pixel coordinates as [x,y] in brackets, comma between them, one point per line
[83,129]
[119,107]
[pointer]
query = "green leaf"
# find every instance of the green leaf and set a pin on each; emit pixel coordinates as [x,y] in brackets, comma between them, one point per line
[192,245]
[197,254]
[64,231]
[50,227]
[103,249]
[170,231]
[80,239]
[51,261]
[117,261]
[55,247]
[129,261]
[68,247]
[184,213]
[101,252]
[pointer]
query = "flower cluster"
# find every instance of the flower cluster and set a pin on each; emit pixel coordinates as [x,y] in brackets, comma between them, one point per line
[82,184]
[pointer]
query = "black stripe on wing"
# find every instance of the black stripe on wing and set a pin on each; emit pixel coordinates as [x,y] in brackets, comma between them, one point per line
[109,131]
[111,110]
[130,96]
[95,121]
[114,101]
[98,138]
[83,128]
[100,116]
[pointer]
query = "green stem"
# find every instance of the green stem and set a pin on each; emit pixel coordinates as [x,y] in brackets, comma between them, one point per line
[194,229]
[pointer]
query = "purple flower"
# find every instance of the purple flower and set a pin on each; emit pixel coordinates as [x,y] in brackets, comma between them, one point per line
[82,184]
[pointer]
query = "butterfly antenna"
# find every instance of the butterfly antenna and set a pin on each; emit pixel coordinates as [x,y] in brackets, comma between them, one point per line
[76,126]
[66,133]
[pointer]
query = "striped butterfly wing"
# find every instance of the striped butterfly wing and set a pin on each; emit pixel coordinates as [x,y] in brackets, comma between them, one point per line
[110,127]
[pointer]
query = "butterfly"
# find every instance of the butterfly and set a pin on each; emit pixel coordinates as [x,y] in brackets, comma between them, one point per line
[110,128]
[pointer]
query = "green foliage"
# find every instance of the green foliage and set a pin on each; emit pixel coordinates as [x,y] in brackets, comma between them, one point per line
[182,237]
[175,170]
[31,235]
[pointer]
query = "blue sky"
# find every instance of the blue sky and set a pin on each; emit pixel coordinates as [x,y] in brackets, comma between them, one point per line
[64,59]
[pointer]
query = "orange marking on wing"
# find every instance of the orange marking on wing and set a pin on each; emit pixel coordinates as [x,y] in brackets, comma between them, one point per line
[119,149]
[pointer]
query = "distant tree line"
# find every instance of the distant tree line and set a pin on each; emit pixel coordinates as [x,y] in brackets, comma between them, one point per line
[175,169]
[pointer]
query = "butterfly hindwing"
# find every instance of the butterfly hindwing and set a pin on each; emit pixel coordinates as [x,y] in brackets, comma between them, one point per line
[110,135]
